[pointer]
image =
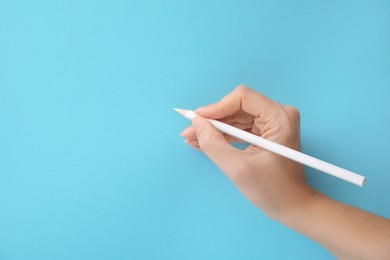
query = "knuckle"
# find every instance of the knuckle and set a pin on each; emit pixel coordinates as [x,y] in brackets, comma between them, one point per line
[242,88]
[293,112]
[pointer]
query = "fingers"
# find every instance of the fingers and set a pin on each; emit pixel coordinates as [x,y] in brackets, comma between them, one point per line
[239,117]
[214,145]
[190,134]
[242,98]
[193,143]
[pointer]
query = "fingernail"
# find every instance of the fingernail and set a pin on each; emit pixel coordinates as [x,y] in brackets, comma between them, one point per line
[185,131]
[186,141]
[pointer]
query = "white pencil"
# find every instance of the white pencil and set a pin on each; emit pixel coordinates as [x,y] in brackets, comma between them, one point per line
[281,150]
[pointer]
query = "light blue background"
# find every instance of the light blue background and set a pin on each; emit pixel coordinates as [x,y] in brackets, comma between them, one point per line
[91,162]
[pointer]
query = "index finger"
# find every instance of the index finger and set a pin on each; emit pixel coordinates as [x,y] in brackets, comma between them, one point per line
[241,98]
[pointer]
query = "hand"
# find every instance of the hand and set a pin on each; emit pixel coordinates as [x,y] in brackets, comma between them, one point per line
[277,185]
[273,183]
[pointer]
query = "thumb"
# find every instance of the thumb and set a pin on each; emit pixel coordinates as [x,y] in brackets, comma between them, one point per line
[214,145]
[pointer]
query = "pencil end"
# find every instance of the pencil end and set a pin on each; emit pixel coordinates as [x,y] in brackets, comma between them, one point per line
[363,182]
[180,111]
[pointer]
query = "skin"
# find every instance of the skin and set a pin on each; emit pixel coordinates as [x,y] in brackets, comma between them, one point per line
[278,185]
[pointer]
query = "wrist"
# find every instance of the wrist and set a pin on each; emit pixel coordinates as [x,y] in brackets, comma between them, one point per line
[303,201]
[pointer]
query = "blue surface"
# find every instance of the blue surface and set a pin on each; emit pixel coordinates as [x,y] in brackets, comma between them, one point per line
[91,162]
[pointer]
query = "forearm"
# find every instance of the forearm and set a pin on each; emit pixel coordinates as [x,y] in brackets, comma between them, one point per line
[346,231]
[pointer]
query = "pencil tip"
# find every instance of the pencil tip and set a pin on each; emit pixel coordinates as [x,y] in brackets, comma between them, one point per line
[181,111]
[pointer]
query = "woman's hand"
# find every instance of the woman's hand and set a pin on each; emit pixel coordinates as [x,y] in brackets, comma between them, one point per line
[277,185]
[273,183]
